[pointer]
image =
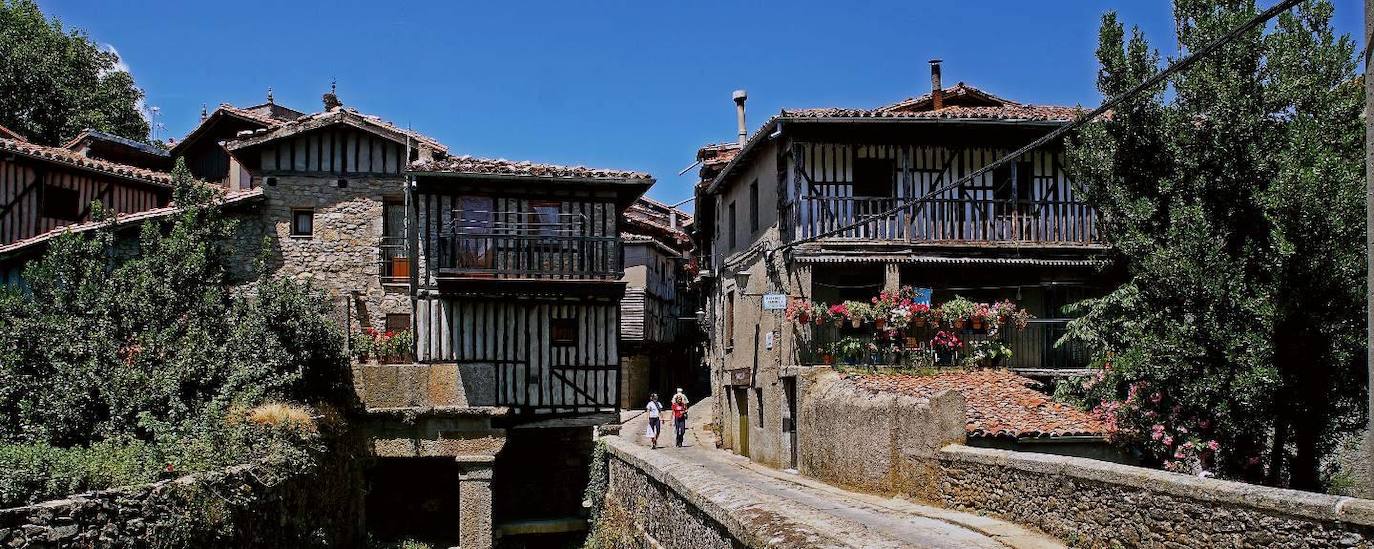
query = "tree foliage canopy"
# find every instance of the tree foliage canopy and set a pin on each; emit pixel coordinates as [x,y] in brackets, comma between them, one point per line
[56,82]
[1236,197]
[152,347]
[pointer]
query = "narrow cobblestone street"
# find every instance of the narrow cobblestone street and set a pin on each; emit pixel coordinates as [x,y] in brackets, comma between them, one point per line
[855,519]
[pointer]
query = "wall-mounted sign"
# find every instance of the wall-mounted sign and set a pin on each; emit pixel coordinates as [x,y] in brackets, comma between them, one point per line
[740,376]
[922,296]
[774,302]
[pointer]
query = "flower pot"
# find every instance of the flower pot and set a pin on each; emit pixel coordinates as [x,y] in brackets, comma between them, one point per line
[879,323]
[400,267]
[854,322]
[978,324]
[828,359]
[959,324]
[839,323]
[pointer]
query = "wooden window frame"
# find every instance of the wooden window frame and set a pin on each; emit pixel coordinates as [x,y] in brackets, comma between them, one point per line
[563,332]
[295,212]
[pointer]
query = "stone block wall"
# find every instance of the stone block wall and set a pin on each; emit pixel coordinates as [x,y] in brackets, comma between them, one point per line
[648,496]
[341,255]
[873,442]
[1097,504]
[238,507]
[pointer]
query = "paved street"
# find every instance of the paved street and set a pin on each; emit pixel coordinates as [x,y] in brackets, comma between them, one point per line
[864,520]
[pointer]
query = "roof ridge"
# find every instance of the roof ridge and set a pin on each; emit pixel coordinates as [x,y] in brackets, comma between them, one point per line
[72,158]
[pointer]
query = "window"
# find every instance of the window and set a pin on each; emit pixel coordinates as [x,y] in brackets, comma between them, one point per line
[61,203]
[1002,181]
[873,177]
[729,321]
[546,217]
[754,207]
[397,322]
[302,222]
[733,227]
[563,332]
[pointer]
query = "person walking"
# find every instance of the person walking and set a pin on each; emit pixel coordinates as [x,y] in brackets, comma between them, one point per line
[680,397]
[680,416]
[654,409]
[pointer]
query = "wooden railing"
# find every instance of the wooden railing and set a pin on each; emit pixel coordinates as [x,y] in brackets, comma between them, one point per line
[528,256]
[947,219]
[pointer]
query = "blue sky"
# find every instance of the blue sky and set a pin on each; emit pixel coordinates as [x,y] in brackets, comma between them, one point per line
[636,85]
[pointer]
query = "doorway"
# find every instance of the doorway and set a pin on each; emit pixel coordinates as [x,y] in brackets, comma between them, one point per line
[789,425]
[742,406]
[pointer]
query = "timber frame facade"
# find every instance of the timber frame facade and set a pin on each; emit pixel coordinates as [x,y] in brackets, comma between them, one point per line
[775,213]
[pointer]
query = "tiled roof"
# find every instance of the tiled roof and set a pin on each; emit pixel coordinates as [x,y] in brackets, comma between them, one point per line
[961,102]
[11,134]
[337,115]
[999,403]
[652,219]
[499,166]
[97,135]
[717,153]
[77,160]
[253,114]
[136,217]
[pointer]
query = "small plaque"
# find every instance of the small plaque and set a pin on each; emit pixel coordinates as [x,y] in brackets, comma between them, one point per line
[922,296]
[739,376]
[774,302]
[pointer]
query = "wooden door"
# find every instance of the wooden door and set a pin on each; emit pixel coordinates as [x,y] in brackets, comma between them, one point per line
[742,404]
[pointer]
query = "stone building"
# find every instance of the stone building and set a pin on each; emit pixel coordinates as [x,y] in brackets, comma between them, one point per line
[829,205]
[659,339]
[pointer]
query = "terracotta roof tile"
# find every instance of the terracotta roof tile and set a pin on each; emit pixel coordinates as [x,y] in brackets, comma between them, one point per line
[77,160]
[999,403]
[961,102]
[336,115]
[124,219]
[500,166]
[651,219]
[11,134]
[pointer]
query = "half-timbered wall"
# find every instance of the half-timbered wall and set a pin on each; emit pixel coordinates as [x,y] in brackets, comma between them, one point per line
[822,196]
[510,345]
[338,151]
[650,308]
[21,197]
[589,245]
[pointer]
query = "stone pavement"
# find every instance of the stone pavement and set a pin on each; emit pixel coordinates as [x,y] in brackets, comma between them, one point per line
[852,519]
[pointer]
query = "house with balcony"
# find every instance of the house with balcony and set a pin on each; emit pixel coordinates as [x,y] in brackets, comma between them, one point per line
[828,205]
[660,344]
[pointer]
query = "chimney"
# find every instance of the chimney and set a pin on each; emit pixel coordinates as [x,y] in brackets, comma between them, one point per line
[740,96]
[937,92]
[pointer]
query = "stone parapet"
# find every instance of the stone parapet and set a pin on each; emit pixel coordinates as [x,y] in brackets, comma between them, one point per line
[1091,503]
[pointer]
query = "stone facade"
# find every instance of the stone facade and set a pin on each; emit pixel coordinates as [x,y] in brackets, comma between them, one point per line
[1092,504]
[341,256]
[892,453]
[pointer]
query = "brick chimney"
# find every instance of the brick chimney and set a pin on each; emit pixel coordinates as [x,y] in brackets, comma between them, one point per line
[937,91]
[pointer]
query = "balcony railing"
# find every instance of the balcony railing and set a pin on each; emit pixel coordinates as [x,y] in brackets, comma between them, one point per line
[395,264]
[1032,348]
[529,256]
[948,220]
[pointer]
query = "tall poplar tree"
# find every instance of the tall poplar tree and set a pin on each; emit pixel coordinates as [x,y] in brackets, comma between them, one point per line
[1235,196]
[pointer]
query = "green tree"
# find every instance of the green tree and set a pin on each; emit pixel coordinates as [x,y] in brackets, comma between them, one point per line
[1237,203]
[56,82]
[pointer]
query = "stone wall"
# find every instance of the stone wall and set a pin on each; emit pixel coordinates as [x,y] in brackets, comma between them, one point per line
[341,256]
[1091,504]
[239,507]
[658,502]
[894,449]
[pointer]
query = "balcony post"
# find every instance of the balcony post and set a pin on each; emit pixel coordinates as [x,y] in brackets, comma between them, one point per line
[892,277]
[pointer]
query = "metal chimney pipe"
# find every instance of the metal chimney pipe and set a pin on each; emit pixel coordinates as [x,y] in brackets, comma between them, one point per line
[740,96]
[937,91]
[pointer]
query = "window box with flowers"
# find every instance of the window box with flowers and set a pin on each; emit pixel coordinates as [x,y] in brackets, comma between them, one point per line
[382,346]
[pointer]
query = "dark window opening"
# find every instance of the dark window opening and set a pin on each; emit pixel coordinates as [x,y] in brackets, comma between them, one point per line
[1002,188]
[302,222]
[874,177]
[729,321]
[754,206]
[397,322]
[271,182]
[733,227]
[563,332]
[342,183]
[61,203]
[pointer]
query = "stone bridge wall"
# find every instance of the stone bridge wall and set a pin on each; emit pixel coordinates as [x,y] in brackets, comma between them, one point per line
[1090,503]
[662,503]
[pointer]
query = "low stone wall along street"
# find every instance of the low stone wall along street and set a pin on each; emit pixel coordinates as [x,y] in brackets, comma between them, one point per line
[1090,503]
[641,484]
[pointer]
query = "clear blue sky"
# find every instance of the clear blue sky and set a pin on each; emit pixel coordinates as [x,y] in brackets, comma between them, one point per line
[636,85]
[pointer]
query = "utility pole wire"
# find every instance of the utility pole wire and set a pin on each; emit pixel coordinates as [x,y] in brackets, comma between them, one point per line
[1107,105]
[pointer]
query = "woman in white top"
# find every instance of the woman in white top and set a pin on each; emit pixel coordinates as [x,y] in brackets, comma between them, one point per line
[653,408]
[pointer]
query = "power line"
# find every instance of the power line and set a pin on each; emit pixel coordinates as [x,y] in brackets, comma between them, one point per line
[1107,105]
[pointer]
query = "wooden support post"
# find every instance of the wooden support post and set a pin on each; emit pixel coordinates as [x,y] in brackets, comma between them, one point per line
[475,530]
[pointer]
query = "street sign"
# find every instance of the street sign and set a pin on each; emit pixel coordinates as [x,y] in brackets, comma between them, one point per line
[774,302]
[922,296]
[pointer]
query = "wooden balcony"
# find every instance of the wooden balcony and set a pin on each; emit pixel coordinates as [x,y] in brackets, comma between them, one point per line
[947,220]
[528,256]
